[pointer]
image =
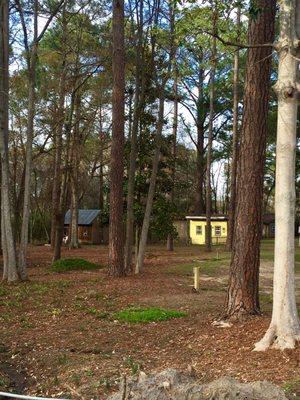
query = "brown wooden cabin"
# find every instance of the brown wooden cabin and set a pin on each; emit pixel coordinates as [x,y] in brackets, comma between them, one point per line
[89,226]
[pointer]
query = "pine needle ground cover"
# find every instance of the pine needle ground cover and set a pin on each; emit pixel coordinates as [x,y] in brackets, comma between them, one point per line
[73,264]
[59,330]
[145,315]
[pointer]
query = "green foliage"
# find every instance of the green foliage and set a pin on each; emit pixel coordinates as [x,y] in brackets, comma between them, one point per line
[162,222]
[144,315]
[74,264]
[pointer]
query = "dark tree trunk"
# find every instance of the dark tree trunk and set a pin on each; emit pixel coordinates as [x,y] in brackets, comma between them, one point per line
[116,234]
[242,295]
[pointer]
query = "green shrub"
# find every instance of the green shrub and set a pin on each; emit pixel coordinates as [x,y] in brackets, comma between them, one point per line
[73,264]
[147,315]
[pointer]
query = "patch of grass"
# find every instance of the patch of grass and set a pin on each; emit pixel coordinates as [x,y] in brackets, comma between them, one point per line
[73,264]
[209,267]
[144,315]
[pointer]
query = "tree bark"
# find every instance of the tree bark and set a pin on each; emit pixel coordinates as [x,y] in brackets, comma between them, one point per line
[242,295]
[116,234]
[235,139]
[10,273]
[284,329]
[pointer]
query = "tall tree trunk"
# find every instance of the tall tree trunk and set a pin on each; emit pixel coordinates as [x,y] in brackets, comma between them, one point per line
[31,71]
[9,256]
[170,240]
[151,191]
[200,164]
[235,138]
[60,215]
[75,150]
[208,242]
[138,105]
[284,329]
[242,294]
[101,178]
[58,140]
[116,234]
[22,262]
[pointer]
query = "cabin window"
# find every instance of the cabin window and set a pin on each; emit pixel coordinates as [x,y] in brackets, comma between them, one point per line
[198,230]
[217,231]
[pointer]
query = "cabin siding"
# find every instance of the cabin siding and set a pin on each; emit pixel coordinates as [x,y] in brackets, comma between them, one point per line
[197,231]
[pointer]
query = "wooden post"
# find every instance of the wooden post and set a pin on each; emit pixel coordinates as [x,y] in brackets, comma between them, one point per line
[196,278]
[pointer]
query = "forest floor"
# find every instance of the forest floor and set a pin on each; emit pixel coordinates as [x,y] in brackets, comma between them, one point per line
[58,335]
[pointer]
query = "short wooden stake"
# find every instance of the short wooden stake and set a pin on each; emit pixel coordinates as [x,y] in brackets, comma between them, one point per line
[196,278]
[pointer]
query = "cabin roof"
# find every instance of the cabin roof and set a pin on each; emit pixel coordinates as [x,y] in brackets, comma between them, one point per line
[85,217]
[266,218]
[203,217]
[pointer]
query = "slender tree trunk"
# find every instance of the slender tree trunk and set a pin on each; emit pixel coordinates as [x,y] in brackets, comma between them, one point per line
[170,240]
[60,215]
[116,234]
[200,164]
[146,221]
[58,140]
[73,243]
[208,242]
[9,256]
[242,294]
[235,139]
[101,178]
[138,105]
[284,329]
[22,262]
[31,70]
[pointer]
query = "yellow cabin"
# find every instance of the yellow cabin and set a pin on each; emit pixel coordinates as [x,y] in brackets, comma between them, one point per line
[197,224]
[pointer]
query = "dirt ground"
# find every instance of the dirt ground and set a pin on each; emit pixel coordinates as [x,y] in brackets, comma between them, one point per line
[58,336]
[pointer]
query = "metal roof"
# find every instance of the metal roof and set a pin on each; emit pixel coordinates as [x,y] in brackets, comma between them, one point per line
[85,217]
[203,217]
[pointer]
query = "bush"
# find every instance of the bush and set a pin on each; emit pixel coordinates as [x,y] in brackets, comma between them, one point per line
[147,315]
[73,264]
